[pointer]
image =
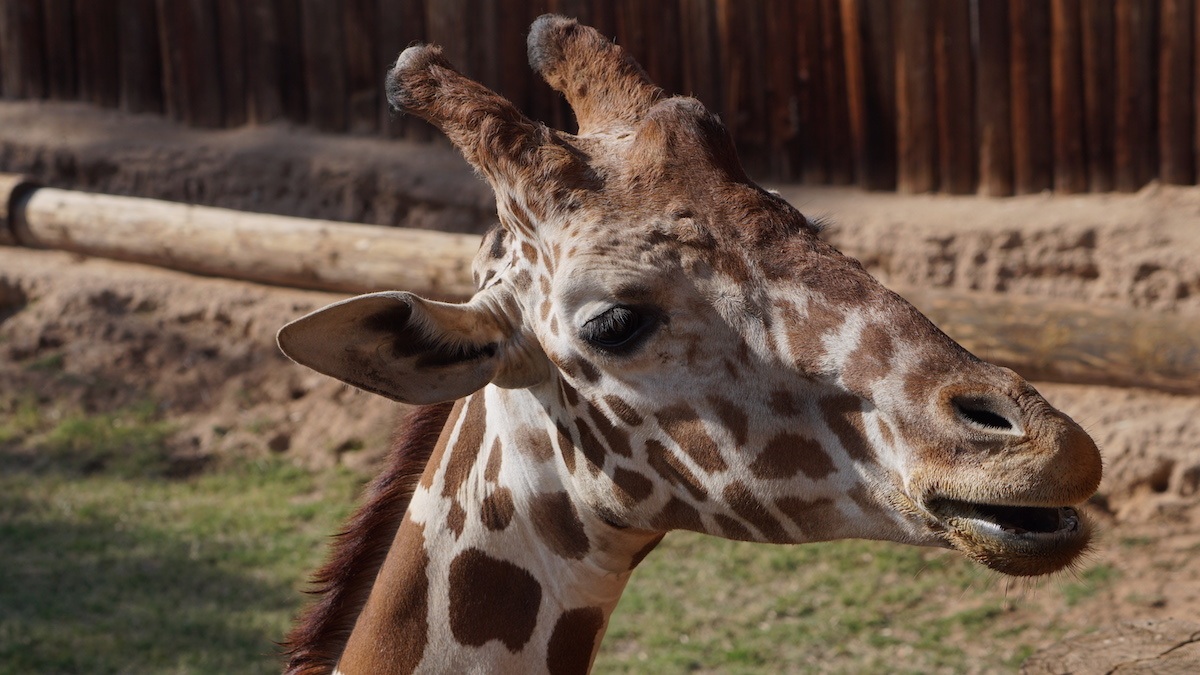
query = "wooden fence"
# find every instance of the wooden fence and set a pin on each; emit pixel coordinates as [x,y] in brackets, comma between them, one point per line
[995,96]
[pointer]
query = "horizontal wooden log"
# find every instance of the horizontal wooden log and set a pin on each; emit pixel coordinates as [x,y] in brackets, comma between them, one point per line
[298,252]
[1042,339]
[13,187]
[1065,341]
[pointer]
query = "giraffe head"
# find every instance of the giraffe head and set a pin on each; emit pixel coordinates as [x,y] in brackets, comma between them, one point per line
[695,355]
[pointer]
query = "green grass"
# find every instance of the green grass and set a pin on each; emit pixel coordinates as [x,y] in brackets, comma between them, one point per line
[109,567]
[721,606]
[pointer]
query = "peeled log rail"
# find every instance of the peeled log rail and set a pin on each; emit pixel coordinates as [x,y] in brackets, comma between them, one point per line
[1043,339]
[300,252]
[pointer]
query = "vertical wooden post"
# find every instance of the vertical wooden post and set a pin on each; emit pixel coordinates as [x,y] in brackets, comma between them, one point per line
[324,64]
[1033,146]
[400,24]
[292,82]
[953,61]
[61,78]
[701,71]
[231,47]
[993,99]
[264,67]
[140,57]
[188,40]
[364,70]
[871,81]
[96,39]
[1135,148]
[839,151]
[1096,18]
[793,90]
[745,91]
[1066,85]
[1175,99]
[22,50]
[916,138]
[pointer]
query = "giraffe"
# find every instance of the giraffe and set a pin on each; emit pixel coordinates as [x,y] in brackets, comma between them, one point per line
[657,343]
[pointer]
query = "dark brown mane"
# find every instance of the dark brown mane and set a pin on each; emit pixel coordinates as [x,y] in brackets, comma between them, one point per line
[316,641]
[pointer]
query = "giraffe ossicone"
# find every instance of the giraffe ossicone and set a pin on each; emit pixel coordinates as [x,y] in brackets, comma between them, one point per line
[657,343]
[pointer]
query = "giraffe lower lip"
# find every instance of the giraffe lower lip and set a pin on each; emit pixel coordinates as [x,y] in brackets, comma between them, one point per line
[1016,540]
[1010,520]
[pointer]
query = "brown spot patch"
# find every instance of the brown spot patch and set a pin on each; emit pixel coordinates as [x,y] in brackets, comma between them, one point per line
[529,252]
[818,519]
[685,427]
[633,484]
[678,515]
[466,446]
[483,589]
[496,512]
[522,280]
[535,443]
[593,450]
[456,518]
[618,439]
[491,472]
[786,404]
[804,334]
[574,640]
[566,447]
[844,416]
[785,454]
[621,408]
[666,464]
[570,396]
[871,359]
[733,529]
[732,417]
[557,523]
[746,506]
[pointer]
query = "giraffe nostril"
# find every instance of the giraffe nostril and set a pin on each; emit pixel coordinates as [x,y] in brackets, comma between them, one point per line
[980,413]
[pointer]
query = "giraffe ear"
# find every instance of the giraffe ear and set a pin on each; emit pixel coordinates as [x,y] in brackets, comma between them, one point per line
[401,346]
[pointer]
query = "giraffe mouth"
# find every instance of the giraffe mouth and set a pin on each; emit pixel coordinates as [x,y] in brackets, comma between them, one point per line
[1016,540]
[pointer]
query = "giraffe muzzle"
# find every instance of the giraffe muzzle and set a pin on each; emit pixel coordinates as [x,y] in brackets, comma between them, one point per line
[1016,540]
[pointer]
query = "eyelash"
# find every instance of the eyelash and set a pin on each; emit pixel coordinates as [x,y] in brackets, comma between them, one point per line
[618,329]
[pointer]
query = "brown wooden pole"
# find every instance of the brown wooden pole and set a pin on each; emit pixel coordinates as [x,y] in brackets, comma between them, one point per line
[840,153]
[916,110]
[324,64]
[232,43]
[871,79]
[22,50]
[61,77]
[264,62]
[98,64]
[1067,101]
[140,60]
[1096,19]
[793,86]
[1175,100]
[364,69]
[1033,146]
[1135,148]
[993,100]
[254,246]
[954,71]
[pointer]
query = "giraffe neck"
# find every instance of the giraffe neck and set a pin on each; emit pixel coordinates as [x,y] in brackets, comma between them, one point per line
[494,568]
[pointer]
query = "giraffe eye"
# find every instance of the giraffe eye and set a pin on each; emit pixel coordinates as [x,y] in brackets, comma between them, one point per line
[617,329]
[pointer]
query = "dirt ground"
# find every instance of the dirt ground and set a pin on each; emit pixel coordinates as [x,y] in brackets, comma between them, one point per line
[100,335]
